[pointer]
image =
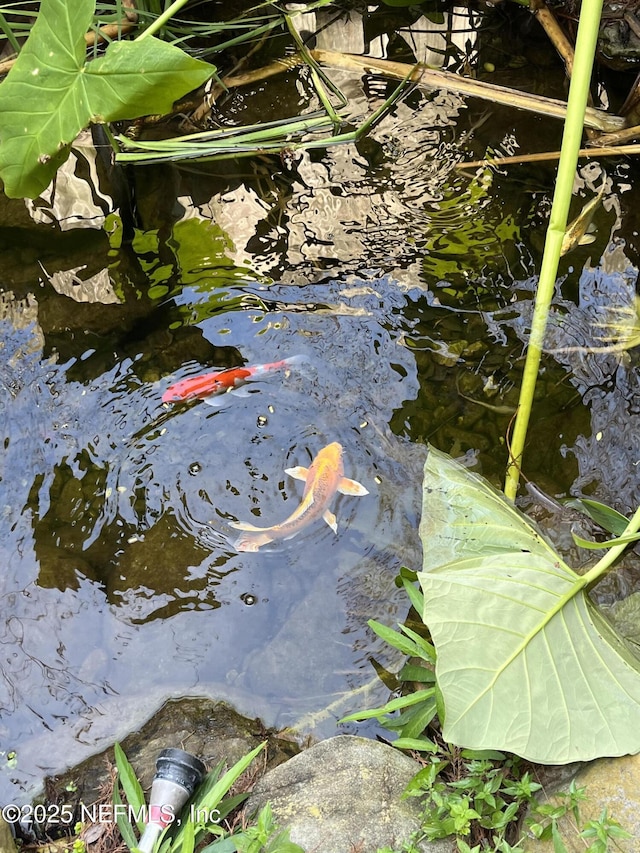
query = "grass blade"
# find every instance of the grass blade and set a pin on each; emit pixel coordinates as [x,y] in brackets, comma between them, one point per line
[129,781]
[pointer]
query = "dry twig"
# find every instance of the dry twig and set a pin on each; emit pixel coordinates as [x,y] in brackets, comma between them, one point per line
[601,151]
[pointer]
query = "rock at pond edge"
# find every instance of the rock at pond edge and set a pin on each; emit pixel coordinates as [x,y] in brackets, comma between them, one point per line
[344,794]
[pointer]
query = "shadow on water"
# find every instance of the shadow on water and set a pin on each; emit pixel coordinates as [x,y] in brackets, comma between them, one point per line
[407,288]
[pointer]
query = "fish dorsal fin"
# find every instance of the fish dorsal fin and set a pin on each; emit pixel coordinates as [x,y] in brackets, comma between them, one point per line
[351,487]
[244,525]
[298,473]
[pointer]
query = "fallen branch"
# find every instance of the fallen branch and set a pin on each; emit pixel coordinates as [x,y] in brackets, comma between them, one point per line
[423,76]
[558,39]
[427,77]
[246,78]
[607,139]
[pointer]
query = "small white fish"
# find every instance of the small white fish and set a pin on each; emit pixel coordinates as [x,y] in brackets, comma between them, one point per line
[322,480]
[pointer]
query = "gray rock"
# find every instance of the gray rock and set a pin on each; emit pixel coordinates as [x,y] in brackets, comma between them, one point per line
[344,794]
[611,783]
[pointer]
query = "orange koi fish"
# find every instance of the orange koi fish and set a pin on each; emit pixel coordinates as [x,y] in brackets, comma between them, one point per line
[210,385]
[322,480]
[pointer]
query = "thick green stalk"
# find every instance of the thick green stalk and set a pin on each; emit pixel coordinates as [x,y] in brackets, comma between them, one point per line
[162,20]
[613,553]
[572,136]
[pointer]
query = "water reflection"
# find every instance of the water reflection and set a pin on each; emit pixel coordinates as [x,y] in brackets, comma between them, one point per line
[126,514]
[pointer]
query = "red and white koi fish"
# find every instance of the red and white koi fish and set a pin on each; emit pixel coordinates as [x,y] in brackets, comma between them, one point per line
[210,385]
[322,480]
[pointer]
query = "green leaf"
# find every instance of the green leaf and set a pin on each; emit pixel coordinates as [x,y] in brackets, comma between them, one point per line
[227,805]
[223,845]
[525,661]
[123,823]
[282,844]
[210,794]
[558,843]
[129,781]
[188,839]
[420,744]
[413,722]
[607,517]
[415,596]
[483,755]
[395,639]
[393,705]
[602,546]
[427,652]
[414,672]
[51,93]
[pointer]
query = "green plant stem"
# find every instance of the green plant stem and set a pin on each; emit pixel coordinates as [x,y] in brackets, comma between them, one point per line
[572,136]
[7,30]
[583,582]
[162,20]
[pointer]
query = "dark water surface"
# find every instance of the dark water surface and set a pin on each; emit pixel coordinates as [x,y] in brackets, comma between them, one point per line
[407,287]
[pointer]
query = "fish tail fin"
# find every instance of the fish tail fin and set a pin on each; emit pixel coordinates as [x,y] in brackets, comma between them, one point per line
[252,541]
[351,487]
[297,359]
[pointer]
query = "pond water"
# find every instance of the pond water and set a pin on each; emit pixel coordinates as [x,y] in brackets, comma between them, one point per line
[407,287]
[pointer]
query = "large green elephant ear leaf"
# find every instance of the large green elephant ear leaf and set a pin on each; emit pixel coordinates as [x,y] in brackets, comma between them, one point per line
[525,662]
[51,93]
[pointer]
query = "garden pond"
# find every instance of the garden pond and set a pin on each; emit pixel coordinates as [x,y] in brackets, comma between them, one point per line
[406,284]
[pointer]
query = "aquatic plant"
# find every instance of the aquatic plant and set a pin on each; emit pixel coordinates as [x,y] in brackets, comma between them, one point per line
[516,639]
[52,92]
[481,800]
[590,14]
[410,713]
[509,618]
[292,134]
[526,666]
